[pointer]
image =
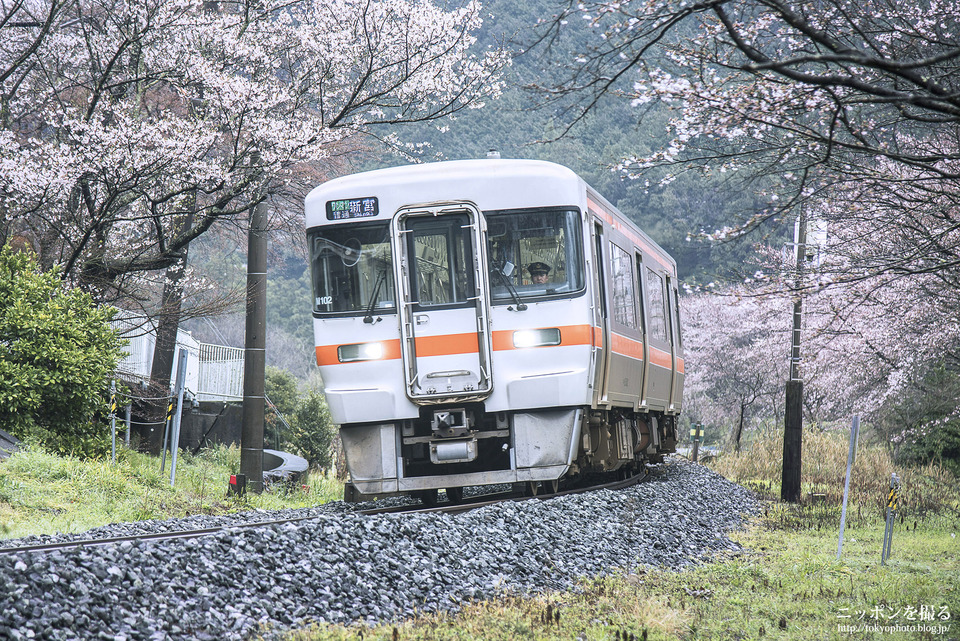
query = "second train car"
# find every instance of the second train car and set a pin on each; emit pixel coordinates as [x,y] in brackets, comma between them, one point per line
[490,321]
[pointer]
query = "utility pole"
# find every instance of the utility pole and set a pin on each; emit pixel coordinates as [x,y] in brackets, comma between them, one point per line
[793,410]
[254,353]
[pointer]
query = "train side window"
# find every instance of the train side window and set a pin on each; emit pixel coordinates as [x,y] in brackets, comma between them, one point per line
[657,307]
[599,269]
[671,315]
[624,302]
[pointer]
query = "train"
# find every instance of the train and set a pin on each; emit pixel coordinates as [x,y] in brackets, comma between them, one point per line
[490,321]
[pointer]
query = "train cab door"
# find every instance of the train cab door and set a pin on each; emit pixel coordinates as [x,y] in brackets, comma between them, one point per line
[676,355]
[659,351]
[600,322]
[642,299]
[625,356]
[444,319]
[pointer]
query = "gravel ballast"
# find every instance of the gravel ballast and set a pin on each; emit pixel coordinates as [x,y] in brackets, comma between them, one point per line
[340,566]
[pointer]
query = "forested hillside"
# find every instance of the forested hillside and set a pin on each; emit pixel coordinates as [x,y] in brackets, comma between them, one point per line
[528,123]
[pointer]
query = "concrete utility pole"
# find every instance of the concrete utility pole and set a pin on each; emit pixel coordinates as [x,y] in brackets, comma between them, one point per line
[793,410]
[254,353]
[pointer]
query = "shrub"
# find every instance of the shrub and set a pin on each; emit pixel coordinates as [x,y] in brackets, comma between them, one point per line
[57,351]
[283,393]
[312,430]
[308,430]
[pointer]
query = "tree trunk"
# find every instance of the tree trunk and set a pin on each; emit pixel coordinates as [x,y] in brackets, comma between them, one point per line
[168,324]
[739,433]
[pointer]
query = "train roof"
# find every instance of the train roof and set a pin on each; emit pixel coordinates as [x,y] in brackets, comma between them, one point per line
[492,184]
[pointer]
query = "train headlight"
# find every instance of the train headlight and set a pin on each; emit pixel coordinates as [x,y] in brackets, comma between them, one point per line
[536,337]
[360,352]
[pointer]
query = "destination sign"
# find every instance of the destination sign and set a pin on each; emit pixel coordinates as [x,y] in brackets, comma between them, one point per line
[352,208]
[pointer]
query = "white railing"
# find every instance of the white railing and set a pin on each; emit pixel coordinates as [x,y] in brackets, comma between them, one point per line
[214,372]
[221,373]
[141,338]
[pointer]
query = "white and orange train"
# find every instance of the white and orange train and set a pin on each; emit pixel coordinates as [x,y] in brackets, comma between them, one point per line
[490,321]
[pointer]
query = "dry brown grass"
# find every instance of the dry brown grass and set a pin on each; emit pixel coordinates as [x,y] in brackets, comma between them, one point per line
[924,490]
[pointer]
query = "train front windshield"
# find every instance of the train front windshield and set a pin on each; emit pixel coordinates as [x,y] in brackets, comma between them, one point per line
[536,253]
[532,254]
[352,268]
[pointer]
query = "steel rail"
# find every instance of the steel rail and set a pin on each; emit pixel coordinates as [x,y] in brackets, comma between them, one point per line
[449,508]
[467,505]
[153,536]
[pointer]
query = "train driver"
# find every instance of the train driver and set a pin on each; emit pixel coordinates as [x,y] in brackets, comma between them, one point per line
[539,273]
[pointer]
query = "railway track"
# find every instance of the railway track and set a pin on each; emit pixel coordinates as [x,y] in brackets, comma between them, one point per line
[483,500]
[345,567]
[466,505]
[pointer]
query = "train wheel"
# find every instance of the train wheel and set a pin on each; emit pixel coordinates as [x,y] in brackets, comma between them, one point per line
[427,497]
[455,494]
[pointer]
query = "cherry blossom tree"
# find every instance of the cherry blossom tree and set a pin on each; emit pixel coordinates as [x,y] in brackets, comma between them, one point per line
[813,96]
[869,348]
[130,128]
[872,344]
[849,110]
[880,298]
[736,349]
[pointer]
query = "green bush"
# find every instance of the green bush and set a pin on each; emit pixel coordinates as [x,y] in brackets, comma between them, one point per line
[283,392]
[312,430]
[57,350]
[309,431]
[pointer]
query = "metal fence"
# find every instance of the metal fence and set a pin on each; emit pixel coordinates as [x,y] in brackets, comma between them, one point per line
[140,335]
[221,373]
[215,372]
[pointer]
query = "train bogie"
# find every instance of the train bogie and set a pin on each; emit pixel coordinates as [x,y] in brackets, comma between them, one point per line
[486,322]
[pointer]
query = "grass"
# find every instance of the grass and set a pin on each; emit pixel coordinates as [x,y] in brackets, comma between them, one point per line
[786,584]
[42,493]
[926,492]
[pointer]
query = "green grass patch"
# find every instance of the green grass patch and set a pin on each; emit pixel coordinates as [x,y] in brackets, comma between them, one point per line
[42,493]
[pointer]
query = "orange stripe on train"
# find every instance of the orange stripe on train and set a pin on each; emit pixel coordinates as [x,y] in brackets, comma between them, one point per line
[661,358]
[328,354]
[626,346]
[447,344]
[569,335]
[450,344]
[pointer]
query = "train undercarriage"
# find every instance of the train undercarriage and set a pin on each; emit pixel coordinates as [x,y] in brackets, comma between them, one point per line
[536,451]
